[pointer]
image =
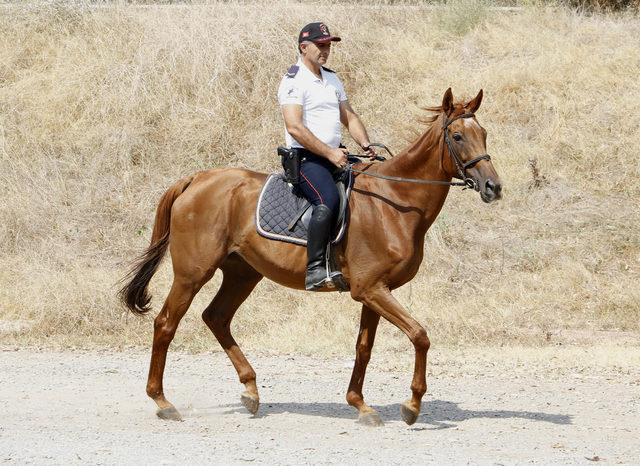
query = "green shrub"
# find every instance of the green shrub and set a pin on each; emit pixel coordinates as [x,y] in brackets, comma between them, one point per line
[461,16]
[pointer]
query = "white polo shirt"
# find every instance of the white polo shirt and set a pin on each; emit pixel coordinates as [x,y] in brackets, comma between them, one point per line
[320,100]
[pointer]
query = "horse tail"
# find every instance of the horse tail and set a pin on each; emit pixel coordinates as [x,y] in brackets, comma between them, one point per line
[134,293]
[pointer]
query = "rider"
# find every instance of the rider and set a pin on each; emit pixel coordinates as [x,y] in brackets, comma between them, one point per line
[314,103]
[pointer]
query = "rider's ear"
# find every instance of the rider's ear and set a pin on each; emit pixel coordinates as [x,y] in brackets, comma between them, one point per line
[447,102]
[474,104]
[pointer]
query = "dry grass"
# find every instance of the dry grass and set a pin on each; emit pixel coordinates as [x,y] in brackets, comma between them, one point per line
[102,108]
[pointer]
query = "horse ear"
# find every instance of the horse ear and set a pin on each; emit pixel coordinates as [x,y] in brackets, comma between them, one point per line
[474,105]
[447,102]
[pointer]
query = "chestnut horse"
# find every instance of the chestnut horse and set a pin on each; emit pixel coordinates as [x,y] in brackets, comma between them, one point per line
[208,222]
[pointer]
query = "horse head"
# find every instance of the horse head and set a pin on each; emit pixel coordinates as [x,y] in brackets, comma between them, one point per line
[465,144]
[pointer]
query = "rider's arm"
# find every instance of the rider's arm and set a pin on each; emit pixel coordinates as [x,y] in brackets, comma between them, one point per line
[352,122]
[293,122]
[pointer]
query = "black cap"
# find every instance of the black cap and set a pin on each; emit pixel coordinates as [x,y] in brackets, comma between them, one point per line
[316,32]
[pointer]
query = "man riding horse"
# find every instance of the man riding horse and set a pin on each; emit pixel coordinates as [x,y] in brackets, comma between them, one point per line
[314,103]
[207,222]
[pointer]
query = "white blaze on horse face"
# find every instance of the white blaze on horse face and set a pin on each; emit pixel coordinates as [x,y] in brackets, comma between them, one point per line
[474,126]
[470,123]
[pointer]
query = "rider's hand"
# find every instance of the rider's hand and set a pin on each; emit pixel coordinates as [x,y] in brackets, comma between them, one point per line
[369,151]
[338,157]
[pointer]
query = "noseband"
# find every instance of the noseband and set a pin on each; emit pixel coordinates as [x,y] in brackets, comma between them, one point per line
[461,166]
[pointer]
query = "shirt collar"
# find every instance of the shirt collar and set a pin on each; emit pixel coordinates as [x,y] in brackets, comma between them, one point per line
[310,74]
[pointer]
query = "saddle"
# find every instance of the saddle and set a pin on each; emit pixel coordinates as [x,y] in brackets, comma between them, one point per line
[283,214]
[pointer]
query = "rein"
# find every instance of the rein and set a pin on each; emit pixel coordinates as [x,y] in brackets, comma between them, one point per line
[411,180]
[467,182]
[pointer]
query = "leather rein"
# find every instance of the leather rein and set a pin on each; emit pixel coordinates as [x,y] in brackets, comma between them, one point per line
[461,166]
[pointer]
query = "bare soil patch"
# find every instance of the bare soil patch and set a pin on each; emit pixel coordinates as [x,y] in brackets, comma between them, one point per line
[535,406]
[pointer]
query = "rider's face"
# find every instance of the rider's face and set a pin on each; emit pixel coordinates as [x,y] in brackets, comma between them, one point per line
[316,52]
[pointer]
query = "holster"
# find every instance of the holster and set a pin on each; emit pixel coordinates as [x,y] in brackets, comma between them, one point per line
[290,159]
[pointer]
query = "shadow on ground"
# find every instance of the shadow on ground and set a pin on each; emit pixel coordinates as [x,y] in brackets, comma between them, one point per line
[437,413]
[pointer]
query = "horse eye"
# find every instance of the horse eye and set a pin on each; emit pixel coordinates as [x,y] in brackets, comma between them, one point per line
[457,137]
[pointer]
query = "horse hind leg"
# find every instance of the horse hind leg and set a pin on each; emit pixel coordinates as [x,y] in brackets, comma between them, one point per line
[175,306]
[239,280]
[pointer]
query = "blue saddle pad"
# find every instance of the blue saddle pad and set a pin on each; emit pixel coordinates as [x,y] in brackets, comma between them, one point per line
[279,215]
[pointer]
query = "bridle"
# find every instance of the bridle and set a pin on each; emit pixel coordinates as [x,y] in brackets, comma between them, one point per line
[461,166]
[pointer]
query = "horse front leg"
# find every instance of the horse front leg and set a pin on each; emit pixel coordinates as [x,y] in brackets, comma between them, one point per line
[382,302]
[368,325]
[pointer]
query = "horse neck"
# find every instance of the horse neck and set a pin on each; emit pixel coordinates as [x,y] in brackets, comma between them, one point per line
[421,160]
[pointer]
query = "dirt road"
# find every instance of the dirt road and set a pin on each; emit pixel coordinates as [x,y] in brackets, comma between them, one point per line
[91,407]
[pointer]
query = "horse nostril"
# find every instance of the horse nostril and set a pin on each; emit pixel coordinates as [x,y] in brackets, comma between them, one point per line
[489,186]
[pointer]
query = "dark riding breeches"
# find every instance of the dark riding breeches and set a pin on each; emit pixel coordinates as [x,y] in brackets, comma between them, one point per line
[317,184]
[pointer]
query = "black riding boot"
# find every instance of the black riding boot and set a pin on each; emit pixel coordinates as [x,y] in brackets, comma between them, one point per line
[317,239]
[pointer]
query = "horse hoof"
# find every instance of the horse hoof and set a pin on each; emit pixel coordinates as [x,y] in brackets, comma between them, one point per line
[409,415]
[169,414]
[370,419]
[250,402]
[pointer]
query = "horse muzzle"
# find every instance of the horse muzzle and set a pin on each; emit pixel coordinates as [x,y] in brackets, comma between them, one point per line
[491,191]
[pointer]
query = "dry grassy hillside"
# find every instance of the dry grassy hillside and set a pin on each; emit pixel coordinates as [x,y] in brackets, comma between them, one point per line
[102,108]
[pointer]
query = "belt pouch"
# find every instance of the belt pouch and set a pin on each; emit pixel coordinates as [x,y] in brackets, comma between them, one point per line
[290,163]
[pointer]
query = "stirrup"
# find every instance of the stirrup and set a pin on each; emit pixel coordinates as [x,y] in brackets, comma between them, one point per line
[338,280]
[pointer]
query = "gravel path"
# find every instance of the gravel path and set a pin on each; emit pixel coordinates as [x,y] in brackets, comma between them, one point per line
[91,407]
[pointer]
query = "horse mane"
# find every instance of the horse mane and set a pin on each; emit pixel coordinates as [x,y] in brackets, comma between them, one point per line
[430,118]
[428,136]
[413,133]
[437,111]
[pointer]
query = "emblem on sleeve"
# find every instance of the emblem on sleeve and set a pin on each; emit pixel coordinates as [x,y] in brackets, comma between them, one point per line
[292,93]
